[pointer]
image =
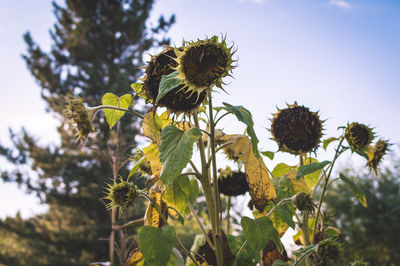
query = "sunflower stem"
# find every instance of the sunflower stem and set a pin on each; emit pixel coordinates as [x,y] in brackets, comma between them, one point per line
[217,201]
[132,112]
[326,182]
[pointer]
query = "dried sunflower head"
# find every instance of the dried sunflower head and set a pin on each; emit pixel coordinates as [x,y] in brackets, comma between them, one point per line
[303,202]
[179,99]
[203,63]
[376,153]
[329,251]
[296,129]
[80,115]
[232,183]
[359,136]
[121,194]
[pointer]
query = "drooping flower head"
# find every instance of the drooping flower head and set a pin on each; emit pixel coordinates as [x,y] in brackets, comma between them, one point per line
[203,64]
[179,99]
[232,183]
[359,136]
[303,202]
[296,129]
[121,194]
[329,251]
[80,115]
[376,153]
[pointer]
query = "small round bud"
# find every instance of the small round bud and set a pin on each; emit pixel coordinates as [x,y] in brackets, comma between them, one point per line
[303,202]
[121,194]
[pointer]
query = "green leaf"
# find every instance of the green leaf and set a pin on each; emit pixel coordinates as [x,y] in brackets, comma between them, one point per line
[280,263]
[136,166]
[281,169]
[328,141]
[156,243]
[311,168]
[357,191]
[244,115]
[181,191]
[176,150]
[113,116]
[269,154]
[361,153]
[168,83]
[286,216]
[259,231]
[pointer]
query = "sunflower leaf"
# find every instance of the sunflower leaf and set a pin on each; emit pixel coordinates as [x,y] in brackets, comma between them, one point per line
[150,237]
[176,150]
[113,116]
[259,231]
[311,168]
[357,191]
[168,83]
[244,115]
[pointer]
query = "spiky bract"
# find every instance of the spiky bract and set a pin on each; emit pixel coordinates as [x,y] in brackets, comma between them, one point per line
[121,194]
[296,129]
[179,99]
[329,251]
[376,153]
[80,115]
[359,136]
[232,183]
[303,202]
[203,63]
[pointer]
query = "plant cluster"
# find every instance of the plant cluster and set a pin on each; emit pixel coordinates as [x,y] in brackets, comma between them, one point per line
[182,80]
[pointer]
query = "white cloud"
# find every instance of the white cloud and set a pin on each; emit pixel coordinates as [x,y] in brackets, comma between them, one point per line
[341,4]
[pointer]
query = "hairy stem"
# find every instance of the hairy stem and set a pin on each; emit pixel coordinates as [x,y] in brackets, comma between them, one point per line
[337,153]
[132,112]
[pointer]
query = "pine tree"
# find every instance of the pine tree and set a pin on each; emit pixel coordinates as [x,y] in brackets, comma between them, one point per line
[98,47]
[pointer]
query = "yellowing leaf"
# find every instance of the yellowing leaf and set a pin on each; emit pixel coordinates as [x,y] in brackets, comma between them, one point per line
[135,258]
[152,156]
[261,187]
[152,216]
[299,184]
[113,116]
[151,125]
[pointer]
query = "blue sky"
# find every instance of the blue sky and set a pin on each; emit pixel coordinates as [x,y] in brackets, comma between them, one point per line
[339,57]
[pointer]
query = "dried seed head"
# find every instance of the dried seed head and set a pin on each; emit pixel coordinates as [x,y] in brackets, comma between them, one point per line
[121,194]
[359,136]
[179,99]
[303,202]
[232,183]
[296,130]
[202,64]
[80,115]
[329,251]
[376,153]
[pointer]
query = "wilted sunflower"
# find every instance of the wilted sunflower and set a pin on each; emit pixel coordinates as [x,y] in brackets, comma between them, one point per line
[121,194]
[179,99]
[80,115]
[303,202]
[376,153]
[329,251]
[232,183]
[359,136]
[203,63]
[296,129]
